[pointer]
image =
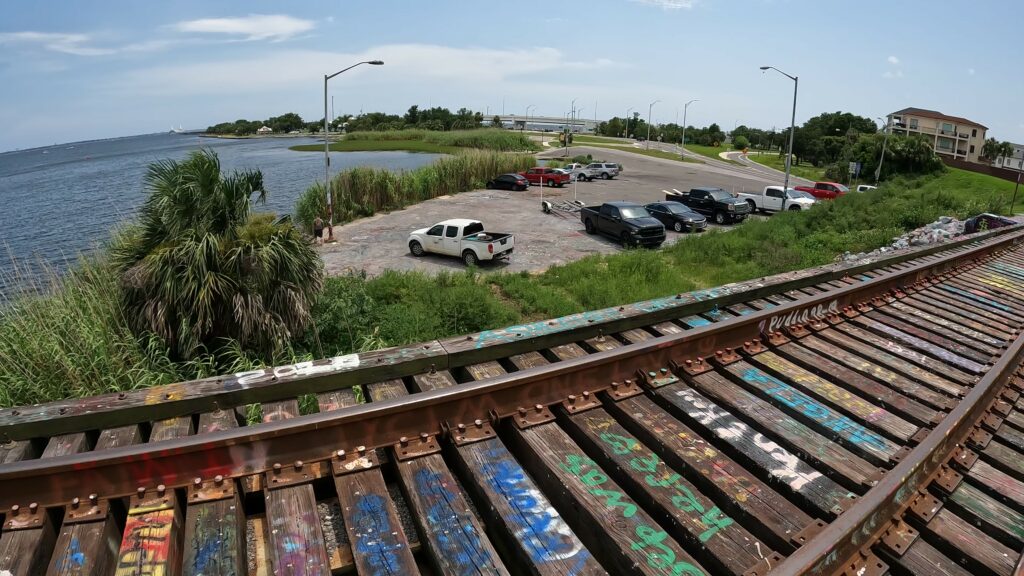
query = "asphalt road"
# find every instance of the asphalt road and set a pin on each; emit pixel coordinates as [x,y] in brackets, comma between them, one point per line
[379,243]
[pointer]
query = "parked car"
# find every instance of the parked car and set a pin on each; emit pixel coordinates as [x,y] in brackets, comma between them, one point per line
[715,202]
[463,238]
[508,182]
[604,170]
[579,172]
[546,176]
[677,216]
[825,190]
[773,199]
[630,223]
[865,188]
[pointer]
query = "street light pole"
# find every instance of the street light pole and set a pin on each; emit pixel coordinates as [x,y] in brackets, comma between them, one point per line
[885,142]
[327,155]
[647,144]
[792,121]
[526,123]
[682,141]
[628,110]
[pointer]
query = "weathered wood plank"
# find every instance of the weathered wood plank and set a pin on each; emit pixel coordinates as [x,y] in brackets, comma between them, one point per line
[171,428]
[971,503]
[281,410]
[630,541]
[933,376]
[872,415]
[922,559]
[151,544]
[990,286]
[971,339]
[766,512]
[954,309]
[25,552]
[86,549]
[336,400]
[515,507]
[883,395]
[485,370]
[991,330]
[847,468]
[386,390]
[66,444]
[942,348]
[998,483]
[963,303]
[379,544]
[976,550]
[691,516]
[1011,437]
[16,451]
[1005,458]
[978,300]
[771,462]
[296,539]
[117,437]
[457,541]
[900,357]
[433,380]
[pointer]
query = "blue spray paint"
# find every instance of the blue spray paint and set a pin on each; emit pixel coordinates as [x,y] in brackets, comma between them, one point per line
[206,554]
[828,418]
[374,540]
[975,297]
[536,524]
[696,321]
[74,558]
[457,537]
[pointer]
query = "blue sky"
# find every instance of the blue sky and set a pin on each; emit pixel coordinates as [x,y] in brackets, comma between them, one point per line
[90,69]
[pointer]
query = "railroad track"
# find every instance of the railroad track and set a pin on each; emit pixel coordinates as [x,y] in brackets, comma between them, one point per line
[857,419]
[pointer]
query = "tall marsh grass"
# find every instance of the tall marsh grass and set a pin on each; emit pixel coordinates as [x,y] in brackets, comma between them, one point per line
[360,192]
[483,138]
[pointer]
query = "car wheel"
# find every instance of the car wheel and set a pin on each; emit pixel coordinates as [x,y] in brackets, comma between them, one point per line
[791,208]
[521,188]
[604,175]
[625,239]
[469,257]
[678,226]
[589,226]
[551,183]
[416,248]
[580,177]
[753,207]
[719,218]
[490,185]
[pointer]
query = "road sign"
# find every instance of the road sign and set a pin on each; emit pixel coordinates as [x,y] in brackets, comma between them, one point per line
[855,168]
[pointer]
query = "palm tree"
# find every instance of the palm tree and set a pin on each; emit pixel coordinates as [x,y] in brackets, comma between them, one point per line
[200,269]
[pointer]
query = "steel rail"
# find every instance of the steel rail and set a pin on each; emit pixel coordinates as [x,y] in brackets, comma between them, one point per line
[317,437]
[210,394]
[865,521]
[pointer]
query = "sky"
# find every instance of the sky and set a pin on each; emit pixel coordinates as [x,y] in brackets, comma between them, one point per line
[92,69]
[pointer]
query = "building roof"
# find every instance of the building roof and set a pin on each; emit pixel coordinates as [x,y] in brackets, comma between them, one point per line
[938,116]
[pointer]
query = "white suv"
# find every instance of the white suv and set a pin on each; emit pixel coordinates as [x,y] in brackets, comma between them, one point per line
[603,170]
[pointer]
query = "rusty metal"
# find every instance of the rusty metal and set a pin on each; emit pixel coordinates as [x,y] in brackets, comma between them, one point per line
[151,499]
[764,565]
[210,490]
[865,563]
[530,417]
[991,422]
[622,390]
[725,357]
[282,475]
[476,431]
[345,462]
[924,506]
[979,439]
[948,479]
[866,520]
[691,367]
[248,450]
[21,518]
[899,537]
[810,531]
[658,378]
[576,403]
[752,347]
[964,457]
[409,448]
[87,510]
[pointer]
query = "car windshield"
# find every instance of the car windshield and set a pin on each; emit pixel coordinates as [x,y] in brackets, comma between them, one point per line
[677,208]
[719,194]
[634,212]
[842,188]
[794,194]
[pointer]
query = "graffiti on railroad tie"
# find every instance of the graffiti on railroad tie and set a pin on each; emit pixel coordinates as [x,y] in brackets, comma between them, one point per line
[786,466]
[293,549]
[457,536]
[146,544]
[972,295]
[374,537]
[73,559]
[537,525]
[658,475]
[775,323]
[659,555]
[803,404]
[298,370]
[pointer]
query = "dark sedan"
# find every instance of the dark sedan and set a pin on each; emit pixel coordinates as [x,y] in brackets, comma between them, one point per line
[677,216]
[508,182]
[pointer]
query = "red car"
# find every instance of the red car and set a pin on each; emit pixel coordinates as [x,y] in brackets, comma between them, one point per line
[547,176]
[825,190]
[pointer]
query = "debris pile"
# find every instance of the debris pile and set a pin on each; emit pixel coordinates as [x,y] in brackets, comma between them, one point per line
[942,230]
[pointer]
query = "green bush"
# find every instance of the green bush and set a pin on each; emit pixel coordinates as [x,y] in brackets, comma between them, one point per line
[360,192]
[484,139]
[740,143]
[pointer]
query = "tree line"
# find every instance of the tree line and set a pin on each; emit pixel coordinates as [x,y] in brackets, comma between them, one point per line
[436,118]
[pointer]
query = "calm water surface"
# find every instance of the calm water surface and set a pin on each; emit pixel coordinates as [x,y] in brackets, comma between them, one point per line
[59,201]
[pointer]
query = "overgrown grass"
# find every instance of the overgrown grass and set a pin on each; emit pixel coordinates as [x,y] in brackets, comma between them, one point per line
[360,192]
[634,150]
[430,141]
[71,339]
[773,160]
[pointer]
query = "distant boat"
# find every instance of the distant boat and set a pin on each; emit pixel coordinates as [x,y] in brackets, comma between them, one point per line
[178,130]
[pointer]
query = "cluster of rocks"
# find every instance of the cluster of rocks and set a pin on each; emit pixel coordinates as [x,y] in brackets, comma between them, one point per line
[937,232]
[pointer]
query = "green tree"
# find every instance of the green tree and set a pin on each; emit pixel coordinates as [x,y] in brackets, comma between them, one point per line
[990,150]
[200,269]
[412,117]
[1005,150]
[496,122]
[286,123]
[740,142]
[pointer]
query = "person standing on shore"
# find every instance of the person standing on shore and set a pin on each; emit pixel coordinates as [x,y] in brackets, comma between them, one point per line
[318,230]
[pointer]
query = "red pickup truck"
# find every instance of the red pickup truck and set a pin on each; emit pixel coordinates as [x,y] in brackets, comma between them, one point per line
[825,190]
[547,176]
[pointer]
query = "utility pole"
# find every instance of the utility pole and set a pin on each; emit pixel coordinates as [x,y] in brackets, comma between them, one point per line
[885,142]
[792,122]
[1014,199]
[628,110]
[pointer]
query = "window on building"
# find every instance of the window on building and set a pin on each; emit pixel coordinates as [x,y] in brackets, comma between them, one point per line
[945,144]
[913,123]
[972,148]
[974,133]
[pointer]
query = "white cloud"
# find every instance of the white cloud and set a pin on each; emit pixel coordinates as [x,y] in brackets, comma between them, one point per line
[893,60]
[76,44]
[403,63]
[667,4]
[275,27]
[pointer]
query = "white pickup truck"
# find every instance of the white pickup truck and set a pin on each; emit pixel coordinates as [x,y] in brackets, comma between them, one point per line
[773,199]
[580,172]
[463,238]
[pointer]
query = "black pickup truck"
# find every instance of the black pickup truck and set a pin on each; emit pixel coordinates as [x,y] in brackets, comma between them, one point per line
[630,223]
[714,202]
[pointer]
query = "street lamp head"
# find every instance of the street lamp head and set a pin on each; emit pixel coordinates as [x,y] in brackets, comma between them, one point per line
[765,67]
[376,62]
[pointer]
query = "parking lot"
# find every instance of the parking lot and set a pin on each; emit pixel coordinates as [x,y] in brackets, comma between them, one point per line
[378,243]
